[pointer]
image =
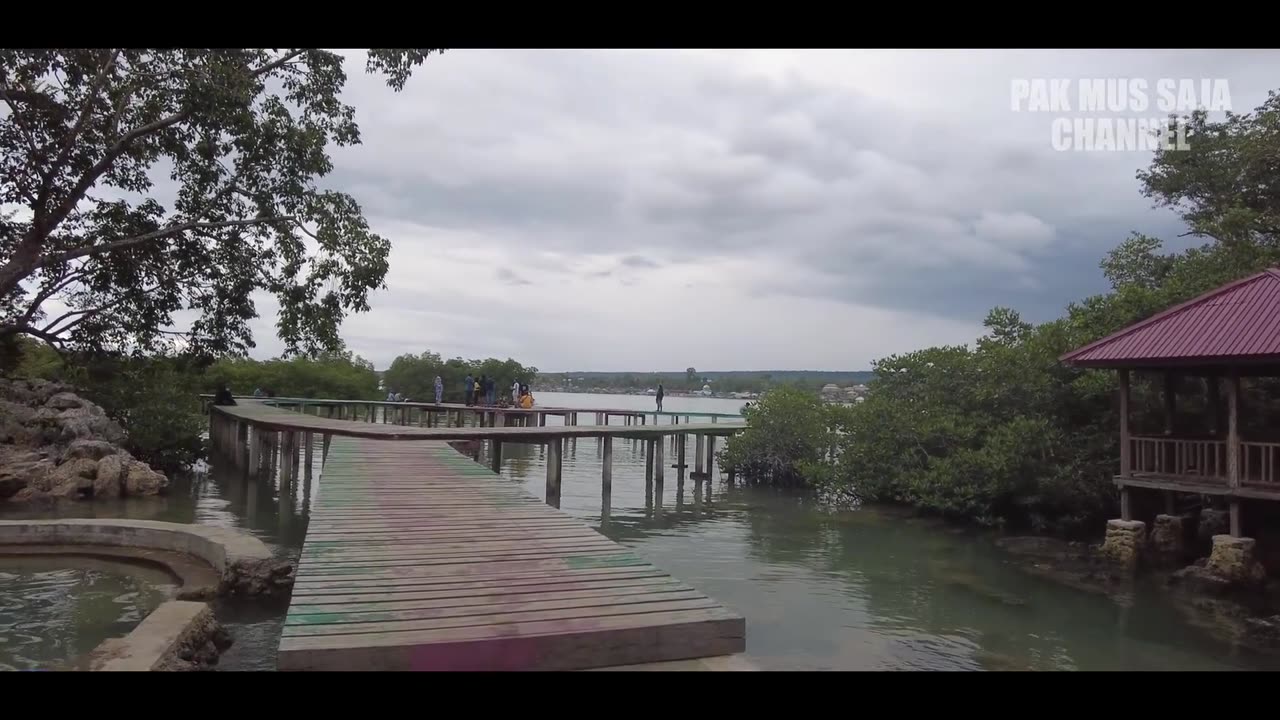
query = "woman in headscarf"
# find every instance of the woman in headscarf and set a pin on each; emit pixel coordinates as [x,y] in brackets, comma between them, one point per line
[439,389]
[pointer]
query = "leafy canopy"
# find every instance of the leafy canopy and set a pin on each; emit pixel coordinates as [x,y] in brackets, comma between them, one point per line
[91,259]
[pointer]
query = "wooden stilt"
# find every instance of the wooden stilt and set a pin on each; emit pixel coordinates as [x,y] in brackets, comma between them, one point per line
[308,449]
[495,460]
[554,448]
[606,477]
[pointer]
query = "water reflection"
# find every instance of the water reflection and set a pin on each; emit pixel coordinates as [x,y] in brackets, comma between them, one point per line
[849,590]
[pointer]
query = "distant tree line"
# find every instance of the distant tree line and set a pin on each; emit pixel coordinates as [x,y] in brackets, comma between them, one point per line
[720,381]
[414,375]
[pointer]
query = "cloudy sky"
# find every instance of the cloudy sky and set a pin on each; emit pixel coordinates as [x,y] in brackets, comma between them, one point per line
[641,210]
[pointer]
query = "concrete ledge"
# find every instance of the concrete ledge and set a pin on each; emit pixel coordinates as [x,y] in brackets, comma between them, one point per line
[178,635]
[244,563]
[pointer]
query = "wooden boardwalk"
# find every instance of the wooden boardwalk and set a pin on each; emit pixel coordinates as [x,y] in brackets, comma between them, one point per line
[417,558]
[265,416]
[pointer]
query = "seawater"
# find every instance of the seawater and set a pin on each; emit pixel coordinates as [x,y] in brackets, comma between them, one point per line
[864,589]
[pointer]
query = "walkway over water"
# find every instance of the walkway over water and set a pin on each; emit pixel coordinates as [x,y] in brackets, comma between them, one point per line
[416,558]
[402,412]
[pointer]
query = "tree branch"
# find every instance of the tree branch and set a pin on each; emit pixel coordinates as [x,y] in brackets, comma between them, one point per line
[276,63]
[47,293]
[94,86]
[148,237]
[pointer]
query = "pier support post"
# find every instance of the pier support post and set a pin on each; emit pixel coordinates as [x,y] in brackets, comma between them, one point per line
[242,443]
[554,451]
[308,448]
[255,451]
[711,455]
[606,477]
[658,468]
[699,448]
[324,448]
[495,461]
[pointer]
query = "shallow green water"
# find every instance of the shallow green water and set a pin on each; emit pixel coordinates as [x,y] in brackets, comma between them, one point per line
[852,590]
[54,610]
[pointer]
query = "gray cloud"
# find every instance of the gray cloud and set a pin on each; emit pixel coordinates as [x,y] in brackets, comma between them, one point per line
[508,277]
[851,184]
[639,261]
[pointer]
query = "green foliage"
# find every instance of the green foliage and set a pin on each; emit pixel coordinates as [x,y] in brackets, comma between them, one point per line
[414,375]
[722,382]
[339,376]
[155,399]
[243,134]
[787,436]
[1002,433]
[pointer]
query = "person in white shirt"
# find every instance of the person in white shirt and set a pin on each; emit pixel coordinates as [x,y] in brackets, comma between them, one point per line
[515,392]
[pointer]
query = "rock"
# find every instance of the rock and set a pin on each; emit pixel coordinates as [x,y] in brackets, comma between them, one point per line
[1213,522]
[1124,542]
[1233,559]
[65,401]
[108,482]
[91,449]
[1168,535]
[19,469]
[262,577]
[70,478]
[142,480]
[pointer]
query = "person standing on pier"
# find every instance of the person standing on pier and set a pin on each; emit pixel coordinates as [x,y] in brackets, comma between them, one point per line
[490,391]
[439,389]
[468,389]
[660,397]
[515,393]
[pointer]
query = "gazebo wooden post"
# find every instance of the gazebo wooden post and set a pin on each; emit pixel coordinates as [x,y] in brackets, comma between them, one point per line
[1233,447]
[1125,466]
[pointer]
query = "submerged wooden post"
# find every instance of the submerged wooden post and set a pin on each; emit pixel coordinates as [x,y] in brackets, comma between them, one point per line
[495,459]
[699,448]
[606,476]
[324,448]
[308,448]
[255,451]
[242,443]
[711,454]
[658,468]
[554,448]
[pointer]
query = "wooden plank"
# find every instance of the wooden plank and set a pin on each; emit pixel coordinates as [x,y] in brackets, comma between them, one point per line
[563,645]
[416,543]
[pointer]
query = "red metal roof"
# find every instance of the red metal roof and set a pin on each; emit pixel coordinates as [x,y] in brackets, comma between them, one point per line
[1239,321]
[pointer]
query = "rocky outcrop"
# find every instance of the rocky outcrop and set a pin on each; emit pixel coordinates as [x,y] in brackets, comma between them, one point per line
[1231,569]
[1168,538]
[55,445]
[1124,542]
[1213,522]
[264,577]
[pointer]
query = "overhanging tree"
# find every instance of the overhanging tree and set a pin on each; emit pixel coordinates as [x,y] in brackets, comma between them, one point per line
[90,259]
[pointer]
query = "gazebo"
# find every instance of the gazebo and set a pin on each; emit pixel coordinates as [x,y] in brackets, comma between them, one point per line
[1224,335]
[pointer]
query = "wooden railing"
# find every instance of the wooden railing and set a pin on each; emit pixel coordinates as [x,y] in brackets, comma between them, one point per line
[1202,459]
[1184,457]
[1259,462]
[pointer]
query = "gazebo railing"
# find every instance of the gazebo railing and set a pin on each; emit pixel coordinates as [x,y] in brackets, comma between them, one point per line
[1202,459]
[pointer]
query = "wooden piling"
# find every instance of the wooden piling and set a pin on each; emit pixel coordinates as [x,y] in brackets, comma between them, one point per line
[554,451]
[308,447]
[606,477]
[699,448]
[495,452]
